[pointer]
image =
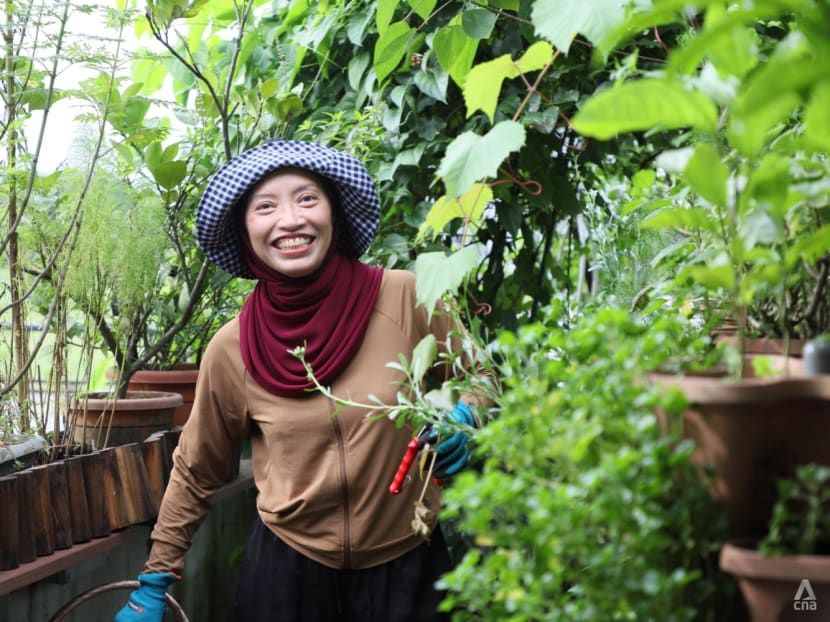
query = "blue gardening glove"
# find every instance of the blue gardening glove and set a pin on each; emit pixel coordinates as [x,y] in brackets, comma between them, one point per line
[148,602]
[453,449]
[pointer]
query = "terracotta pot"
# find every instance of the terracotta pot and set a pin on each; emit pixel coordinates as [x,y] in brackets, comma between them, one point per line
[766,345]
[130,419]
[181,380]
[754,432]
[787,588]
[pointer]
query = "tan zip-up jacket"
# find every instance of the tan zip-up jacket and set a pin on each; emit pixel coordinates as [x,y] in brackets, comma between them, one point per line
[322,476]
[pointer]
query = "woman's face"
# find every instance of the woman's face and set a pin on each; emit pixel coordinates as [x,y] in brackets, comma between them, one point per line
[289,222]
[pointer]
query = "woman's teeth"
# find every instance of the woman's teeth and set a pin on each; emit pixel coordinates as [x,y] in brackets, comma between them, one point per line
[290,243]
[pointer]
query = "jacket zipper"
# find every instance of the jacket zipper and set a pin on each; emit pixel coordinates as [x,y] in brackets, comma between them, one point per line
[344,488]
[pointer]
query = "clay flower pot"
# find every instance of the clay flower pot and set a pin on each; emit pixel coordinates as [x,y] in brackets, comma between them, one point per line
[130,419]
[785,588]
[181,380]
[753,432]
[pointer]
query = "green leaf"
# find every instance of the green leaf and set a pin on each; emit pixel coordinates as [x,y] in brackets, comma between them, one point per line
[482,86]
[471,157]
[169,174]
[289,105]
[507,5]
[648,104]
[455,51]
[706,174]
[536,57]
[357,67]
[423,356]
[422,8]
[679,218]
[728,42]
[469,206]
[817,119]
[390,48]
[559,22]
[478,23]
[269,87]
[768,185]
[438,274]
[809,247]
[385,12]
[771,94]
[713,277]
[433,82]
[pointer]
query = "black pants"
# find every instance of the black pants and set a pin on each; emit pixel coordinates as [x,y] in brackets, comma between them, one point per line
[278,584]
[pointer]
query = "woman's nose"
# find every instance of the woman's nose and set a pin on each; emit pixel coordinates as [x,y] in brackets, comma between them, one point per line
[289,216]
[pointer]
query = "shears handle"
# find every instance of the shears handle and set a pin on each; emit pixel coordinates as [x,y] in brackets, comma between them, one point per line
[403,468]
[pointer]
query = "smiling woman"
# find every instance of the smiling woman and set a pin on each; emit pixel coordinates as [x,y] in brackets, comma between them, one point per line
[329,542]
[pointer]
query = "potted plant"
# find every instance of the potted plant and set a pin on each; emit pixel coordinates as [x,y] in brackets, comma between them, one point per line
[744,95]
[116,268]
[786,576]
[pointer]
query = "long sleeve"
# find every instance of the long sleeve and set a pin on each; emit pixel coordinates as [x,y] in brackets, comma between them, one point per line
[202,461]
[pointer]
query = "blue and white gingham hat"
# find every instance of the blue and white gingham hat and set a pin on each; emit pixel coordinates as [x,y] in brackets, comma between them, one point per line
[215,223]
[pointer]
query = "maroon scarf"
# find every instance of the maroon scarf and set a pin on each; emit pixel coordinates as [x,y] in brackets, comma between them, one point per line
[328,312]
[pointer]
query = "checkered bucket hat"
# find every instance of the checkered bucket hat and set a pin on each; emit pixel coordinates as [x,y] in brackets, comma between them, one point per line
[215,224]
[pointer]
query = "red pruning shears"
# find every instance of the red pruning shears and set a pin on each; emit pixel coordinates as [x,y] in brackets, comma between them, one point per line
[412,449]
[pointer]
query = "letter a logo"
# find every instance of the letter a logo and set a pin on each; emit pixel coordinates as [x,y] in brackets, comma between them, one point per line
[805,591]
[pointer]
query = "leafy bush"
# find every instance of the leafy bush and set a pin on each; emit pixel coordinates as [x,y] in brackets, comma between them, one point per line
[584,509]
[800,523]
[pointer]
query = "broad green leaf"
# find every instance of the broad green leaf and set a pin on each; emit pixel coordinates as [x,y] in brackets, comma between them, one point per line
[679,218]
[269,87]
[357,67]
[385,12]
[455,51]
[422,8]
[760,228]
[470,157]
[536,57]
[170,152]
[706,174]
[559,22]
[390,48]
[648,104]
[809,247]
[714,277]
[469,206]
[423,356]
[507,5]
[438,274]
[729,43]
[433,82]
[152,155]
[817,119]
[644,178]
[767,186]
[771,94]
[288,106]
[356,28]
[478,23]
[169,174]
[483,84]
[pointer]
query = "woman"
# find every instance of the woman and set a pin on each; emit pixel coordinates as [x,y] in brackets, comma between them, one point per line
[329,542]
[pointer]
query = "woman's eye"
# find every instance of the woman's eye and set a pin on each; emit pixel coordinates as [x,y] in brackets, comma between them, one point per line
[307,198]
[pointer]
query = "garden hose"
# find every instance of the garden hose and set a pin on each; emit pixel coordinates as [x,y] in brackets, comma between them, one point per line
[108,587]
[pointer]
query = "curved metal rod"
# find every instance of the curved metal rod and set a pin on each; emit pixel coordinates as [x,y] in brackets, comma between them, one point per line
[109,587]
